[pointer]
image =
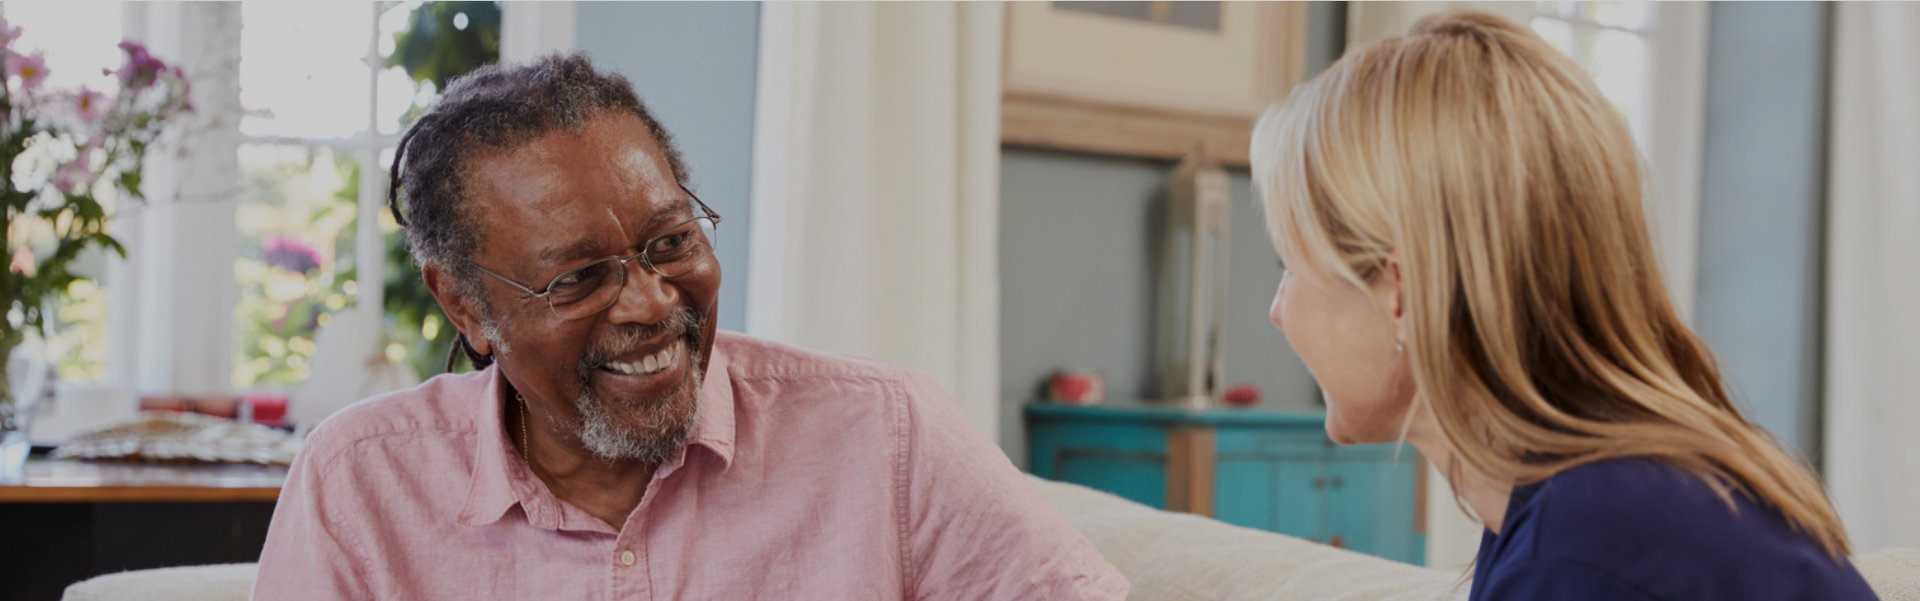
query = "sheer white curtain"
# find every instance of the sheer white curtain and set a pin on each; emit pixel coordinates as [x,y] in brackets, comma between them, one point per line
[876,187]
[1873,281]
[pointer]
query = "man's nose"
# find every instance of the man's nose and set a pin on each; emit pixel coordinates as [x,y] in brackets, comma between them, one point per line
[646,298]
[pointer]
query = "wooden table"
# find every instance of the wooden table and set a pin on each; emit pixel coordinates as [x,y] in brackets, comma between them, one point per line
[86,518]
[67,481]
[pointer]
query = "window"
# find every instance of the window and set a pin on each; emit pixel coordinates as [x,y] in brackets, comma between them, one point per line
[315,237]
[312,82]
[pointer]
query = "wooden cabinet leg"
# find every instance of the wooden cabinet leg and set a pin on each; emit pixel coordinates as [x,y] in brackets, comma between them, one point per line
[1190,469]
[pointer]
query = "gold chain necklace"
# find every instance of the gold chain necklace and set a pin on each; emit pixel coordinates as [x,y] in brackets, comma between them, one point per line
[523,428]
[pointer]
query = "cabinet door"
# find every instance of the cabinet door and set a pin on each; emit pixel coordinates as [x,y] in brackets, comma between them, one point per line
[1127,460]
[1245,490]
[1299,505]
[1271,480]
[1371,504]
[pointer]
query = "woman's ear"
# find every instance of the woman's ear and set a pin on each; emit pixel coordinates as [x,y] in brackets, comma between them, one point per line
[459,309]
[1389,295]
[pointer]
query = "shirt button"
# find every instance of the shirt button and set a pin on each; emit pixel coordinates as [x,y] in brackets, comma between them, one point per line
[626,558]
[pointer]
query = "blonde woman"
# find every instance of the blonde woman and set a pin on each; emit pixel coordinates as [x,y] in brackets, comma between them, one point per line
[1469,270]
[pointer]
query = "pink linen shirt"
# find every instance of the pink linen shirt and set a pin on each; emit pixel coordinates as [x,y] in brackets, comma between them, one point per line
[807,476]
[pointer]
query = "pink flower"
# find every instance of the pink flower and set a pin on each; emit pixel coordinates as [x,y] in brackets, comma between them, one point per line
[31,69]
[73,175]
[22,261]
[8,33]
[291,254]
[90,105]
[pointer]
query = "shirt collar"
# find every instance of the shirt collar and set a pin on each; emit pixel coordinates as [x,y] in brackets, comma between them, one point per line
[715,430]
[496,464]
[501,479]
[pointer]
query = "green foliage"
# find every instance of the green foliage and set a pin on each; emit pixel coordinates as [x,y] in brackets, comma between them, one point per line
[433,49]
[280,308]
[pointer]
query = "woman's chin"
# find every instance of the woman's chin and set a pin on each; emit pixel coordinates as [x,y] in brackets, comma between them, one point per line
[1344,429]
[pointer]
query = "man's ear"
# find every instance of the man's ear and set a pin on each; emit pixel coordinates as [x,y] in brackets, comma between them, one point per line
[459,309]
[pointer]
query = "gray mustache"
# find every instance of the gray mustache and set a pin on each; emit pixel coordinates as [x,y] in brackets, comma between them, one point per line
[679,323]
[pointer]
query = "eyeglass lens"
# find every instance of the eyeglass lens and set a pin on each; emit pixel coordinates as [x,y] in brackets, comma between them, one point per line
[596,286]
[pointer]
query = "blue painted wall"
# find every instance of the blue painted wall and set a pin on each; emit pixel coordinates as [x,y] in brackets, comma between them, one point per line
[693,63]
[1078,282]
[1761,214]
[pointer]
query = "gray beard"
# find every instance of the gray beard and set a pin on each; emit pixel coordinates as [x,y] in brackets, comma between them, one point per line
[612,440]
[669,422]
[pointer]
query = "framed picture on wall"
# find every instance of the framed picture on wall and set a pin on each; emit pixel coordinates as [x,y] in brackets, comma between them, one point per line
[1147,79]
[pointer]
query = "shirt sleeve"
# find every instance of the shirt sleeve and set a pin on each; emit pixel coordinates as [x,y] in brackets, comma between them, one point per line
[1557,579]
[974,527]
[310,552]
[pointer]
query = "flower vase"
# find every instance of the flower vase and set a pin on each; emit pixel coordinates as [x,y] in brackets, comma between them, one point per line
[13,420]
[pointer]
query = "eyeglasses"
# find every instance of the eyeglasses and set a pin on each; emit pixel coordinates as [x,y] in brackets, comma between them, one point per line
[591,288]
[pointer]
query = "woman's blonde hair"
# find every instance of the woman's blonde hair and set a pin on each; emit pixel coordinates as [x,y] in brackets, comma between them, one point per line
[1507,189]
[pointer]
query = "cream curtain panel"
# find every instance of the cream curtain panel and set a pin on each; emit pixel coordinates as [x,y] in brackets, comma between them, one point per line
[1873,281]
[876,187]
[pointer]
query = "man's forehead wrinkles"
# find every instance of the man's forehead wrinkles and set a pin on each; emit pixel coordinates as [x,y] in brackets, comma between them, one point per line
[617,224]
[578,248]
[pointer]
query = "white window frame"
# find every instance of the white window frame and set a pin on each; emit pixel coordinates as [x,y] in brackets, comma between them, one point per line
[370,249]
[170,315]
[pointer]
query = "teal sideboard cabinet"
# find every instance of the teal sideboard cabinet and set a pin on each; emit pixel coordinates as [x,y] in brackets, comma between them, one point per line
[1257,468]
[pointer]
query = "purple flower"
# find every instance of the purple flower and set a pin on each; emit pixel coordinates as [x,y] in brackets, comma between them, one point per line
[73,175]
[31,69]
[291,254]
[141,69]
[90,105]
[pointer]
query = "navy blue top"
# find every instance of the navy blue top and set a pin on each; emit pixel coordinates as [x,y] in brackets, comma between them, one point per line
[1640,530]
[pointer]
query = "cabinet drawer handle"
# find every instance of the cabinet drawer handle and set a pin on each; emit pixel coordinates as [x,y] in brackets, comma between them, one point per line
[1338,542]
[1320,482]
[1339,482]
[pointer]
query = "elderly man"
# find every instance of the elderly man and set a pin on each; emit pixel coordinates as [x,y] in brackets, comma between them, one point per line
[613,444]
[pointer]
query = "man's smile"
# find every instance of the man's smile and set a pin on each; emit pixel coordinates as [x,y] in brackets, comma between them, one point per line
[643,374]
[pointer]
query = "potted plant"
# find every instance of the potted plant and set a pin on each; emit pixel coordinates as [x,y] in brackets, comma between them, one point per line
[61,153]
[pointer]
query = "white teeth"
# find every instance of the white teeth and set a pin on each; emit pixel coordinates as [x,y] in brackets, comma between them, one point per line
[647,365]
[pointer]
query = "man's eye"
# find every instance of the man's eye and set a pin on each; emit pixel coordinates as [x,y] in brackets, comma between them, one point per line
[568,279]
[669,244]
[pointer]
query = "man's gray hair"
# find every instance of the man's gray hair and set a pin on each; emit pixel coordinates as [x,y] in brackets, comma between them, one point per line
[495,107]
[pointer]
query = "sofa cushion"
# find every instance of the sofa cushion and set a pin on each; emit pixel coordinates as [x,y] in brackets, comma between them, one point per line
[229,582]
[1893,574]
[1176,557]
[1167,556]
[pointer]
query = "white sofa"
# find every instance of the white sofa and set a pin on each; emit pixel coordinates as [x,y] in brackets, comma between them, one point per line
[1167,556]
[1180,557]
